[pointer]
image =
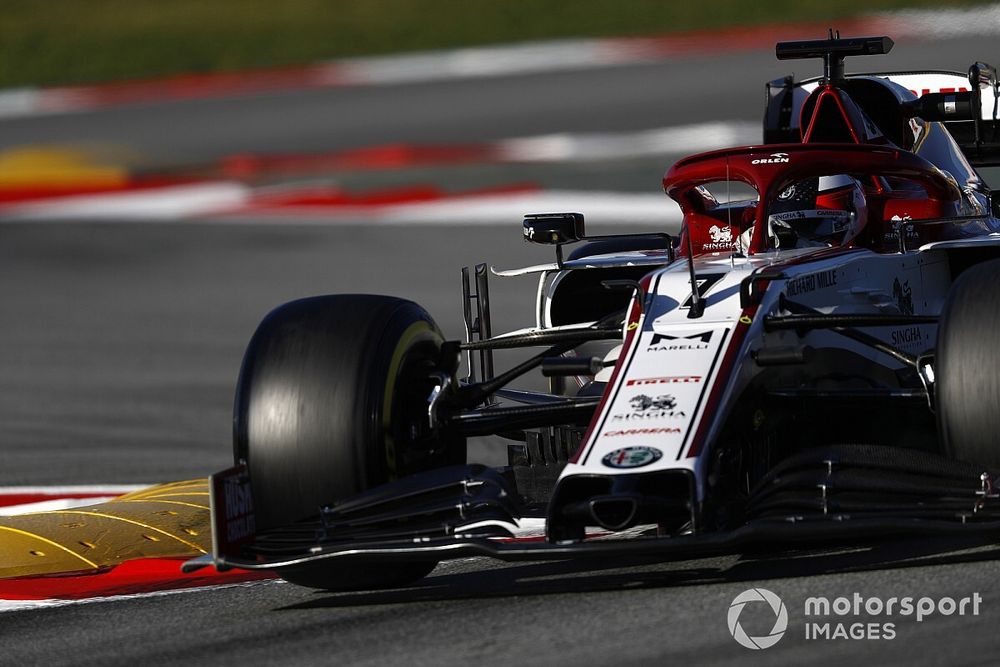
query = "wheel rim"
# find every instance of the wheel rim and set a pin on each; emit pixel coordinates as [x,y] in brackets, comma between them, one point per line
[410,444]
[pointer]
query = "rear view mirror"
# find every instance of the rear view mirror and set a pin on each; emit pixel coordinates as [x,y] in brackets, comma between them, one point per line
[943,106]
[553,228]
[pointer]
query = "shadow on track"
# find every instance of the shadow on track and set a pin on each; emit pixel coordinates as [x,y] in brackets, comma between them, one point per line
[494,579]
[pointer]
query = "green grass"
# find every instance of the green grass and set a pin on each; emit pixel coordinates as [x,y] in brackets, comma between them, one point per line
[46,42]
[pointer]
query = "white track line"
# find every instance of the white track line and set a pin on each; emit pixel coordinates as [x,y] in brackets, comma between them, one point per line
[167,203]
[514,59]
[598,207]
[51,505]
[490,209]
[677,140]
[65,490]
[980,20]
[476,62]
[61,497]
[27,605]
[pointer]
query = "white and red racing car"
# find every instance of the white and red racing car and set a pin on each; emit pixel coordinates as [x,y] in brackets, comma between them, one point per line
[814,358]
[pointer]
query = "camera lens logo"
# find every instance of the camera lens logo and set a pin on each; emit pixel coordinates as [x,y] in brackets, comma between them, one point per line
[780,618]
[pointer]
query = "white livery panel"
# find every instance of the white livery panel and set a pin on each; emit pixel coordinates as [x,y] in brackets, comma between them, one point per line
[657,399]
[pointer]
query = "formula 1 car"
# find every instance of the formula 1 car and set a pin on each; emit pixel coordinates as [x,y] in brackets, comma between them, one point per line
[810,360]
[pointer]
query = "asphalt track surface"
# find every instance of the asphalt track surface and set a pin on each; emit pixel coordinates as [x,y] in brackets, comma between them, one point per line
[120,343]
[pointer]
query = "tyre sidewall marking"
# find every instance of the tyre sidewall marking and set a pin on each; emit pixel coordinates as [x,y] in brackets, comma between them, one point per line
[415,333]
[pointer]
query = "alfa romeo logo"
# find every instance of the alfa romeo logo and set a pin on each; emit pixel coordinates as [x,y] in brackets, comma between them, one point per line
[780,618]
[632,457]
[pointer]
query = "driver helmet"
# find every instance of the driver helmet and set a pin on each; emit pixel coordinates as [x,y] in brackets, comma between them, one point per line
[818,212]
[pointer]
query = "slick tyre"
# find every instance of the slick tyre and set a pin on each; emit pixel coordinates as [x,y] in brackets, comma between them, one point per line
[332,400]
[967,368]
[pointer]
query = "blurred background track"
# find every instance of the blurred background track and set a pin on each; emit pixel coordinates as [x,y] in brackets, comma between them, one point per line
[121,338]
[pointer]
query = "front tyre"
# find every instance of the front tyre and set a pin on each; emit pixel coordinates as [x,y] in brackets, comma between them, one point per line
[967,367]
[332,400]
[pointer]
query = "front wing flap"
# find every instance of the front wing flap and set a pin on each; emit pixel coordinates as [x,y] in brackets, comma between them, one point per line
[772,535]
[469,511]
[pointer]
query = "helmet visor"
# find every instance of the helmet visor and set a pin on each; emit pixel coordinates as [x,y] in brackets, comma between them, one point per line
[809,228]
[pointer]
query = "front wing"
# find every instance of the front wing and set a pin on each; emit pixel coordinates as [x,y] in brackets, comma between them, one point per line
[864,496]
